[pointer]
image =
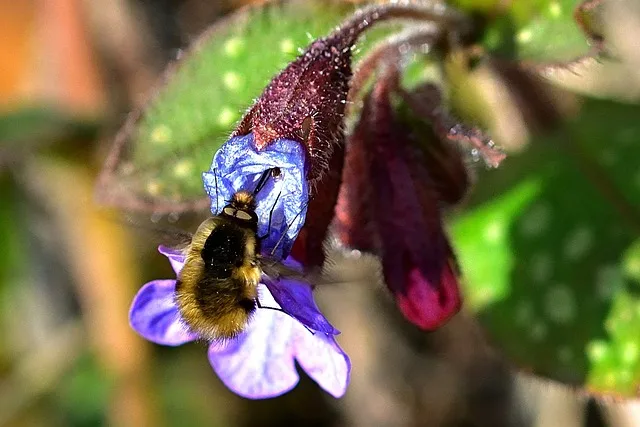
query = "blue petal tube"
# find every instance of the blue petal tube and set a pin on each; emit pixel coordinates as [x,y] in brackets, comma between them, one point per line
[238,165]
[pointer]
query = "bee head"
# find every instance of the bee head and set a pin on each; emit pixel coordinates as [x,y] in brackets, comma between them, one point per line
[242,207]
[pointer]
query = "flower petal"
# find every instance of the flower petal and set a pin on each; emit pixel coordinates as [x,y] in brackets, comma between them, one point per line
[417,259]
[237,166]
[323,360]
[155,316]
[353,222]
[258,364]
[296,299]
[176,257]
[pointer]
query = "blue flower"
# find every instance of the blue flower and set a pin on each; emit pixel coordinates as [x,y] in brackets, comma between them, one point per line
[260,362]
[238,165]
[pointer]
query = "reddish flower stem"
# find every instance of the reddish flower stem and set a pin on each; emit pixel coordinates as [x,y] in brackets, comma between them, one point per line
[429,105]
[449,19]
[387,51]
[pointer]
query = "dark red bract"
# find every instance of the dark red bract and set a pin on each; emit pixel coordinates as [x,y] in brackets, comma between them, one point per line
[306,102]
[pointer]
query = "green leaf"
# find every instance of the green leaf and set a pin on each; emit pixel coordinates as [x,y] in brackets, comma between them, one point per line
[556,283]
[207,92]
[483,234]
[551,34]
[485,6]
[631,263]
[14,264]
[541,31]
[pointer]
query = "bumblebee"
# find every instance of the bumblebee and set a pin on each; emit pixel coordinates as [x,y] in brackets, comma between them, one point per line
[216,291]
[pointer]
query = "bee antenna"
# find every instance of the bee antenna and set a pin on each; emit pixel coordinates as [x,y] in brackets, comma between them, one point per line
[271,215]
[273,251]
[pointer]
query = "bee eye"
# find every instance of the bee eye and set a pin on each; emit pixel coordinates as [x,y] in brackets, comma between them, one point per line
[245,216]
[229,211]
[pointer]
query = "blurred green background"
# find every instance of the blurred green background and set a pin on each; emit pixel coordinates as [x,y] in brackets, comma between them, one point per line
[549,242]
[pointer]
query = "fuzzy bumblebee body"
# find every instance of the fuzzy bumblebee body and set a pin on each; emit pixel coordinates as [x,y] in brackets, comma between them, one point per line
[216,291]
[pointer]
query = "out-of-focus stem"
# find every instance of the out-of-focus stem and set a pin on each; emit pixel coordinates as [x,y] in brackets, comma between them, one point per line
[132,53]
[102,263]
[387,50]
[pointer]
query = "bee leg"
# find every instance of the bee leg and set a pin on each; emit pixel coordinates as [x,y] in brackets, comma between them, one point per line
[215,175]
[282,311]
[269,308]
[286,230]
[271,217]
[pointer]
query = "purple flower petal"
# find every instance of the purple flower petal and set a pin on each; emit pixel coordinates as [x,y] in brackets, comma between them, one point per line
[260,362]
[176,257]
[296,298]
[323,360]
[237,166]
[155,316]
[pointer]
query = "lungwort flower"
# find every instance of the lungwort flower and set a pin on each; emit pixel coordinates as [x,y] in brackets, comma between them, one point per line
[260,362]
[390,205]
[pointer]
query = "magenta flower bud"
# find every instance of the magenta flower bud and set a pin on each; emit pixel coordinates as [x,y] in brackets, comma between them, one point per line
[389,205]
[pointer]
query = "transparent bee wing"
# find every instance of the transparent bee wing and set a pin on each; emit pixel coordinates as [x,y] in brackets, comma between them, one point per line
[276,269]
[149,232]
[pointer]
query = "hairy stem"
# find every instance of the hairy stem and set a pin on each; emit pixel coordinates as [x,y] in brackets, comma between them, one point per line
[388,50]
[447,18]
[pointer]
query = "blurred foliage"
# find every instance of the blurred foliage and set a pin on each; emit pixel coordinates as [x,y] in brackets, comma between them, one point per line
[83,394]
[541,30]
[552,289]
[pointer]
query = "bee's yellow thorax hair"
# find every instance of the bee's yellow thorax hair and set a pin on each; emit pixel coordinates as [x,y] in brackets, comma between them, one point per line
[243,200]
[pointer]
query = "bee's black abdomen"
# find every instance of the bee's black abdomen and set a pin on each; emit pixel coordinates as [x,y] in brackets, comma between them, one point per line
[223,250]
